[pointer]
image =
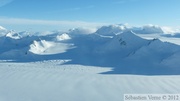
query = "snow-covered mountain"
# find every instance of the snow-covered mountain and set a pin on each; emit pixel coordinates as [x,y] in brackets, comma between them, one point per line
[2,28]
[3,31]
[112,29]
[114,45]
[149,29]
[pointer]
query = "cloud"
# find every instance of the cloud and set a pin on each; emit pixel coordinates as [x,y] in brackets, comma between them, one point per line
[19,21]
[5,2]
[168,30]
[50,23]
[82,30]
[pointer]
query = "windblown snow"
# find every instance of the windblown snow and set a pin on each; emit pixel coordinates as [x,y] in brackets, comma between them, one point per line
[88,65]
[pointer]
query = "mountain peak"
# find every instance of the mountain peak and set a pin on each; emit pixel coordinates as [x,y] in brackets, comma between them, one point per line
[111,29]
[152,29]
[129,35]
[13,35]
[124,43]
[2,28]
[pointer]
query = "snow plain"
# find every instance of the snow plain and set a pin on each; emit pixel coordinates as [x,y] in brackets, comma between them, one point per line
[92,67]
[50,81]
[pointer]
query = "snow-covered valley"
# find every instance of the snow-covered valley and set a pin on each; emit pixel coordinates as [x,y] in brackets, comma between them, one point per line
[84,65]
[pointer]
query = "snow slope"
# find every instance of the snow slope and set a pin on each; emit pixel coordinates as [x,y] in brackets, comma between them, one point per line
[50,81]
[43,47]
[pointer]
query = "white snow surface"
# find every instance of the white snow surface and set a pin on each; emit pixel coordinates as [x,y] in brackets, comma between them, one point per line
[50,81]
[2,28]
[88,65]
[43,47]
[62,37]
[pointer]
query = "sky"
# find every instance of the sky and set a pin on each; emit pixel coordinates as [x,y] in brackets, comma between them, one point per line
[65,14]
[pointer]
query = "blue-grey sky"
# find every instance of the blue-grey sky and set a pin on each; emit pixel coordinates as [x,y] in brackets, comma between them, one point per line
[64,14]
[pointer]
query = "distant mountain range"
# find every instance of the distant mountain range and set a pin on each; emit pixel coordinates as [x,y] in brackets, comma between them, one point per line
[114,46]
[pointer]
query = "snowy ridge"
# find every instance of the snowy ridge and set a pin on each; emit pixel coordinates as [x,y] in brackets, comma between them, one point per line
[39,47]
[110,46]
[13,35]
[124,42]
[43,47]
[2,28]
